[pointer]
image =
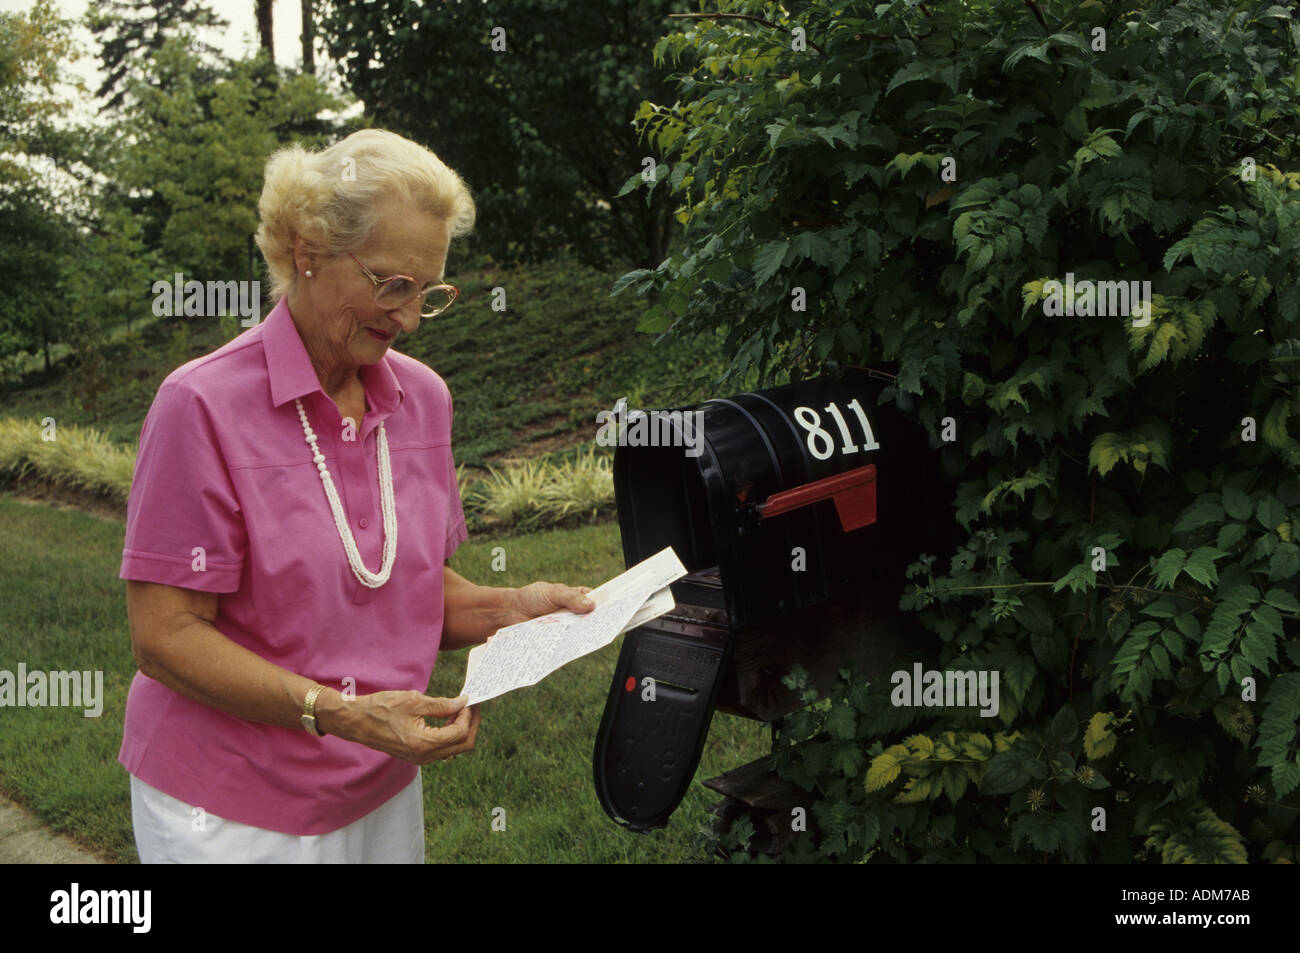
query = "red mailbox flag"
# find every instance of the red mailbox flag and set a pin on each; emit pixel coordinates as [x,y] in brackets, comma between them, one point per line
[854,494]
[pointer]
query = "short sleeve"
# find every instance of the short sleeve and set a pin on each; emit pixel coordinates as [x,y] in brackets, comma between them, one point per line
[457,532]
[184,526]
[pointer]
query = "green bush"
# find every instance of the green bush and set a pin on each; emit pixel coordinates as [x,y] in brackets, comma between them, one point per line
[65,455]
[1127,483]
[541,492]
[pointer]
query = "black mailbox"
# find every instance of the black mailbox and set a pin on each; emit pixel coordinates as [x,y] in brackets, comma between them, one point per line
[795,513]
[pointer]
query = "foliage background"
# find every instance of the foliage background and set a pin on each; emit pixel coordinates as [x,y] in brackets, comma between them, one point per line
[538,123]
[1128,493]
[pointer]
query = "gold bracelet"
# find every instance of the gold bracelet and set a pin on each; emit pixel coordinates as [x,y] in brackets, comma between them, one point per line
[309,711]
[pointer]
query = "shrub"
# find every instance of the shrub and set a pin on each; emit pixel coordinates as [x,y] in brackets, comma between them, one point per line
[916,175]
[77,457]
[532,494]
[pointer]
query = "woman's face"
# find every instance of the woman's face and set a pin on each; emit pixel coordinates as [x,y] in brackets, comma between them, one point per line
[343,326]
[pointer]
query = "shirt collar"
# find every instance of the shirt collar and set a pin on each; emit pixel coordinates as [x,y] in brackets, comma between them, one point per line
[293,376]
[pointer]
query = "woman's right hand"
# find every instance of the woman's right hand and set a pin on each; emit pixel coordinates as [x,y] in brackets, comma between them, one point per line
[394,723]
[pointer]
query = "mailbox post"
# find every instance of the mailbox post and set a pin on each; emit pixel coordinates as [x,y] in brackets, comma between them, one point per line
[795,524]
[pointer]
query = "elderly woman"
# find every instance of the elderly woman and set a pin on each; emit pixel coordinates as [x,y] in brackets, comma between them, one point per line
[290,521]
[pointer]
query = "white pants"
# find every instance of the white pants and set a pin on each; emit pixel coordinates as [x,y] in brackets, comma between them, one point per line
[168,831]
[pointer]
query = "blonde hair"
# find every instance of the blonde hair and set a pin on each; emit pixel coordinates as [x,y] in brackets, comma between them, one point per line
[331,197]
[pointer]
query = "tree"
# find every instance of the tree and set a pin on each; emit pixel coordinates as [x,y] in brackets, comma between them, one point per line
[38,241]
[198,152]
[34,258]
[265,27]
[946,185]
[531,103]
[130,32]
[309,37]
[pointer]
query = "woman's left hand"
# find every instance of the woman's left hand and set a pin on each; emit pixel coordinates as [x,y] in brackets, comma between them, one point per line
[539,598]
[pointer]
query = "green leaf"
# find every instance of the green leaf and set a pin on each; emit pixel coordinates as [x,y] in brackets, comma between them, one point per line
[1134,646]
[1230,535]
[1189,627]
[1268,618]
[1080,579]
[1005,773]
[885,767]
[1204,511]
[1281,599]
[1034,49]
[910,73]
[1065,725]
[1051,650]
[953,779]
[628,278]
[1277,727]
[920,789]
[655,320]
[842,722]
[848,759]
[1098,739]
[1200,565]
[767,260]
[1237,504]
[1040,829]
[719,271]
[812,246]
[1258,646]
[1286,777]
[1018,673]
[1097,146]
[1270,513]
[1168,566]
[1285,563]
[629,185]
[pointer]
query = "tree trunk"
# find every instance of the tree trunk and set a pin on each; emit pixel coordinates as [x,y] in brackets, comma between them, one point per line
[264,24]
[658,228]
[308,38]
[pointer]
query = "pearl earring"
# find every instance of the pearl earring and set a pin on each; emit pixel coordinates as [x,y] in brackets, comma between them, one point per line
[308,274]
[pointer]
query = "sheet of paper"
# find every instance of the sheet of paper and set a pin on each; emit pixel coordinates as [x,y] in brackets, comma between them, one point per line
[525,653]
[654,607]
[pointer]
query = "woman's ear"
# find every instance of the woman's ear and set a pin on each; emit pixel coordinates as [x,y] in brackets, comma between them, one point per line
[305,255]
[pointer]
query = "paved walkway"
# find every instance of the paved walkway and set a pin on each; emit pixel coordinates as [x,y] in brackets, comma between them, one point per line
[24,841]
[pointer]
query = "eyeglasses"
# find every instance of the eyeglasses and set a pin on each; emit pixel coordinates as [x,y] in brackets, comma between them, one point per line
[396,291]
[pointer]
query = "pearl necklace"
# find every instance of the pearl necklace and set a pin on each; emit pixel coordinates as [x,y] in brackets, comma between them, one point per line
[364,576]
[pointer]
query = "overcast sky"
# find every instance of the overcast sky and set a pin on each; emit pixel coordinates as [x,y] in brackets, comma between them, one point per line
[237,41]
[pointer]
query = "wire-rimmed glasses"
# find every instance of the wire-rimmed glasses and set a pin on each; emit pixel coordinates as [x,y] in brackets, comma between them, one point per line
[396,291]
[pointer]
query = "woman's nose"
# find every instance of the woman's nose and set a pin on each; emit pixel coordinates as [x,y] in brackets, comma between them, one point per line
[408,315]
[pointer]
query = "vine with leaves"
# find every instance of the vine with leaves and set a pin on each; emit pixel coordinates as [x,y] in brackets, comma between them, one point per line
[1126,483]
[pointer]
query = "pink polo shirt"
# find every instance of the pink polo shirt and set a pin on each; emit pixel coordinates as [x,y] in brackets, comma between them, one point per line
[226,499]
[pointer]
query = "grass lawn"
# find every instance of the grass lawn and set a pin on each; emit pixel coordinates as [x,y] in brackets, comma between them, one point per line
[63,607]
